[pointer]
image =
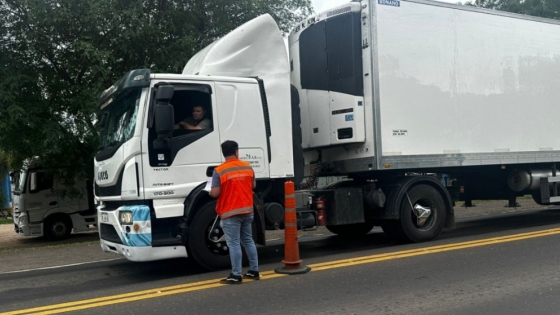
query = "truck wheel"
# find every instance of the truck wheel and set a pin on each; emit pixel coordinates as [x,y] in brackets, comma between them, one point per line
[202,243]
[57,227]
[351,230]
[425,220]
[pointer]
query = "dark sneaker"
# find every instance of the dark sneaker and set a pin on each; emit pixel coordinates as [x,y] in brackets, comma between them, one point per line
[231,279]
[252,275]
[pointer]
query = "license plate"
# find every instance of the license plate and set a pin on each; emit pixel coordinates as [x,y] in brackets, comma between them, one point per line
[104,217]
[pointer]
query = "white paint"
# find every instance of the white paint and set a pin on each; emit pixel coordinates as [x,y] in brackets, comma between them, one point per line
[465,82]
[254,49]
[60,266]
[255,157]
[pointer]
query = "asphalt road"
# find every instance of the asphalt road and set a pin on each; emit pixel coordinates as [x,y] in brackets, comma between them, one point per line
[486,265]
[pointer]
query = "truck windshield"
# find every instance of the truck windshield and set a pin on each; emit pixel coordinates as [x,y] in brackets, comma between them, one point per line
[120,119]
[20,181]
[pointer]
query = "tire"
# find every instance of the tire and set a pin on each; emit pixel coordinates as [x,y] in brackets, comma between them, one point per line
[351,230]
[411,227]
[536,194]
[57,227]
[208,254]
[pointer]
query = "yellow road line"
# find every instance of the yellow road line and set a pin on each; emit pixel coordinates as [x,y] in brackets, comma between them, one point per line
[430,250]
[214,283]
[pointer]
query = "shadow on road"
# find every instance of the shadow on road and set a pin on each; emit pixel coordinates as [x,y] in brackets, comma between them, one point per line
[311,247]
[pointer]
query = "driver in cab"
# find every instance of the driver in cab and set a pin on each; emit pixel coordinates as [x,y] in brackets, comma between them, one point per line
[197,121]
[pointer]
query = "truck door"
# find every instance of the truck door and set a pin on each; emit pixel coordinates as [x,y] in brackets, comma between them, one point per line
[193,151]
[41,195]
[68,201]
[241,118]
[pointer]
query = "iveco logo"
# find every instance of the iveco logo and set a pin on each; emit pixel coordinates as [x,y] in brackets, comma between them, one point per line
[102,176]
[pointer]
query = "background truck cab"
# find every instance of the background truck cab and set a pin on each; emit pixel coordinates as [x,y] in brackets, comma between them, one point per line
[44,205]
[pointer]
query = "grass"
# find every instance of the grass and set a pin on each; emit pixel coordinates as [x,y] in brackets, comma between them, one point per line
[6,221]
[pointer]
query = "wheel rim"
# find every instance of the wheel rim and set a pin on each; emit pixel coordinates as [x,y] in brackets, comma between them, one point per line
[59,228]
[215,240]
[424,214]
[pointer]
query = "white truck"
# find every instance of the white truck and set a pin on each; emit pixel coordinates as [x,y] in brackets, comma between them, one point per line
[393,94]
[43,204]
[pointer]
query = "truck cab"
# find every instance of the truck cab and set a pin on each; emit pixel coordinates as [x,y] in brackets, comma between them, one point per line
[44,205]
[150,172]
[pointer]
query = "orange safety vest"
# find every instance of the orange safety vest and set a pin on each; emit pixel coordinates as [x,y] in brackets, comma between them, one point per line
[236,188]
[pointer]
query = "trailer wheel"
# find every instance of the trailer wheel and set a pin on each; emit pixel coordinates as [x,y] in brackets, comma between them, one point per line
[422,214]
[351,230]
[204,241]
[57,227]
[536,194]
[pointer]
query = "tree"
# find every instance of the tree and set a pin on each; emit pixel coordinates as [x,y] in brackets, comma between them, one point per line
[57,56]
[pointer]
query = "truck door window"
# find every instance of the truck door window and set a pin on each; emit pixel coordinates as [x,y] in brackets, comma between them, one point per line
[193,119]
[193,112]
[44,182]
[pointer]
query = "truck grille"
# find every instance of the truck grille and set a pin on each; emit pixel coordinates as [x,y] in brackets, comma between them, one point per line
[108,191]
[108,233]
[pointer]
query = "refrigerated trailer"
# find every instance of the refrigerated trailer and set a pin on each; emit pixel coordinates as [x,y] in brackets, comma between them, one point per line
[394,95]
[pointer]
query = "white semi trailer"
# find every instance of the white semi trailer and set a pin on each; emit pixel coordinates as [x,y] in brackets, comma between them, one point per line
[392,94]
[47,205]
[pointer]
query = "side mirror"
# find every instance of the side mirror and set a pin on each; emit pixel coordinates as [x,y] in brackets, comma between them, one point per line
[164,119]
[164,93]
[33,182]
[164,115]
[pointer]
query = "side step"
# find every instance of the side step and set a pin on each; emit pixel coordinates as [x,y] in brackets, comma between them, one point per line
[545,182]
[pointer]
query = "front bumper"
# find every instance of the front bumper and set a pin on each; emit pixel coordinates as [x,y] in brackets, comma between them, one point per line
[23,228]
[135,253]
[133,241]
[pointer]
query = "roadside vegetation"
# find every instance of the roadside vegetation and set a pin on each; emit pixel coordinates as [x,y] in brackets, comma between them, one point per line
[57,56]
[6,221]
[6,215]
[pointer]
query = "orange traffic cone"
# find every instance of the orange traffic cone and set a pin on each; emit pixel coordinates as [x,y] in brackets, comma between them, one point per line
[292,262]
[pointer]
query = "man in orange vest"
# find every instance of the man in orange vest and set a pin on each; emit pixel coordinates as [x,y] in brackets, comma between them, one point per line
[233,183]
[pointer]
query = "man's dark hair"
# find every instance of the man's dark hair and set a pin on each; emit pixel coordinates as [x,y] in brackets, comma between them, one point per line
[229,147]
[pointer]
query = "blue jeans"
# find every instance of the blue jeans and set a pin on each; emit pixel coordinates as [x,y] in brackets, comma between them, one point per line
[238,231]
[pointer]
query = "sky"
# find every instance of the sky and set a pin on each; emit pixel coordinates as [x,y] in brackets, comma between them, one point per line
[322,5]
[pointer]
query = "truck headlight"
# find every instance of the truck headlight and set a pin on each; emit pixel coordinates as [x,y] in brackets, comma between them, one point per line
[125,217]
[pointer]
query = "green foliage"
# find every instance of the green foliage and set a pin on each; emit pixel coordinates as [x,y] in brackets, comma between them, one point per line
[56,56]
[6,221]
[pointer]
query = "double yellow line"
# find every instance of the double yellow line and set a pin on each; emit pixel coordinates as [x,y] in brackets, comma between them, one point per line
[214,283]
